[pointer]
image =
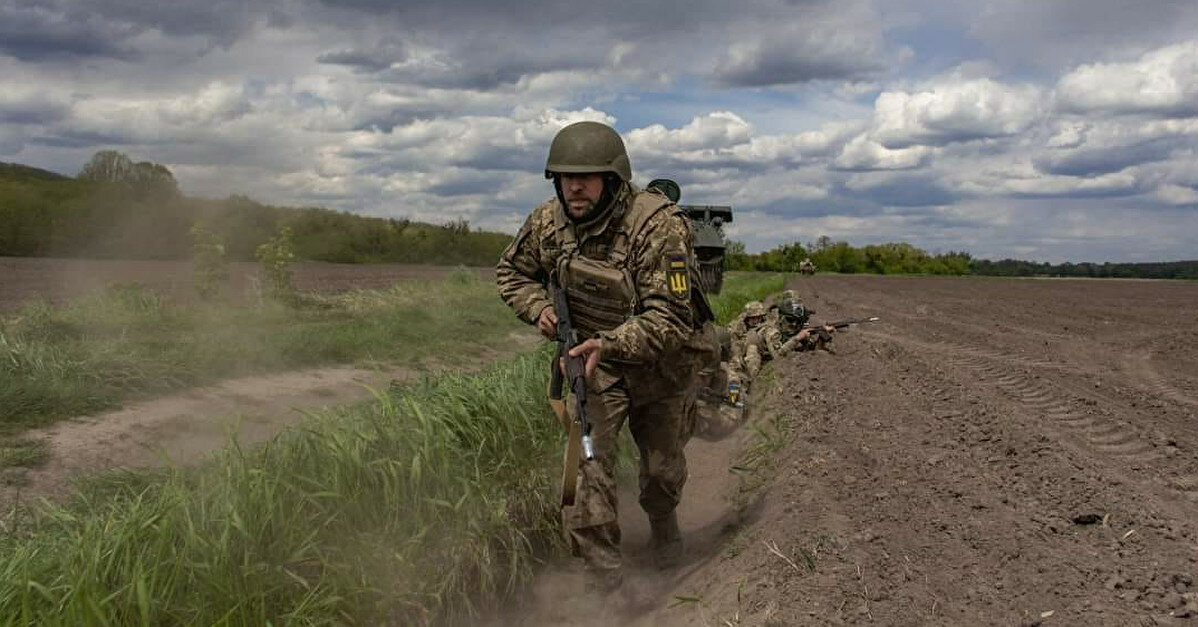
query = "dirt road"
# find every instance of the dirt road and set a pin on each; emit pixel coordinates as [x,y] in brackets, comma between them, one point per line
[995,452]
[183,429]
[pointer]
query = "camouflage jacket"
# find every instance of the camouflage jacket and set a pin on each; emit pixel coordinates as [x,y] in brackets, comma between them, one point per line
[662,320]
[766,336]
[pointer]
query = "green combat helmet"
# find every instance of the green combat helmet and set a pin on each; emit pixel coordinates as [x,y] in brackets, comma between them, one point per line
[588,147]
[754,309]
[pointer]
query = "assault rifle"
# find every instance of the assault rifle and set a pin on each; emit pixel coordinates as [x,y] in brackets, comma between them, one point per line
[579,445]
[796,317]
[820,331]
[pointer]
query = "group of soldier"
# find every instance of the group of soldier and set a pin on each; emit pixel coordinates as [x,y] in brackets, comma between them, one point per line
[758,335]
[623,260]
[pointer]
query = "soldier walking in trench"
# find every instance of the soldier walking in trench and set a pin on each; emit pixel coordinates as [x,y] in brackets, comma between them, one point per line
[625,259]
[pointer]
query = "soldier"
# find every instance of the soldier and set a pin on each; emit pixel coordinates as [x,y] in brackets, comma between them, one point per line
[760,335]
[749,348]
[625,258]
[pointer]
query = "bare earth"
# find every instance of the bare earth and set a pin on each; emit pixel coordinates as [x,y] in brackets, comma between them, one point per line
[1006,452]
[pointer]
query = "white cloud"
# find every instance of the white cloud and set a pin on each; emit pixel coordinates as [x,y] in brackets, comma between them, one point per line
[1178,195]
[714,131]
[954,112]
[863,153]
[1164,81]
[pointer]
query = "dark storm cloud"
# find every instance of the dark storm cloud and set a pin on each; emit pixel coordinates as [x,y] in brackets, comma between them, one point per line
[795,59]
[1093,161]
[84,139]
[1065,33]
[33,32]
[916,190]
[32,111]
[222,21]
[484,44]
[66,29]
[376,58]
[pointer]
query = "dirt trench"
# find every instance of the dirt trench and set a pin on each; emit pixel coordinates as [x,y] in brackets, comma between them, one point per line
[994,452]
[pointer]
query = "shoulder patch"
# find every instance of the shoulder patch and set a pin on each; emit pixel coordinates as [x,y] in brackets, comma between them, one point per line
[678,276]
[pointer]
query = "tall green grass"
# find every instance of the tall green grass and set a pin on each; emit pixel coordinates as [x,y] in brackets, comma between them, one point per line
[420,507]
[126,342]
[410,509]
[742,287]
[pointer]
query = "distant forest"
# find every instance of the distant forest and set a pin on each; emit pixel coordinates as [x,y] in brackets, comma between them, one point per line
[116,208]
[903,258]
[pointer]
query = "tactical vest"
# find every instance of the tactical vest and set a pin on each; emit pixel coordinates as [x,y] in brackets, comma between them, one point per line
[602,292]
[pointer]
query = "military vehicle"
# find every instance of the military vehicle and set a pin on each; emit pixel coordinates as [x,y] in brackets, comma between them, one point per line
[710,243]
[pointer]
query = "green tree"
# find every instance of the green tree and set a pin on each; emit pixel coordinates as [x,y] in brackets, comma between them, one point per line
[110,166]
[276,255]
[210,261]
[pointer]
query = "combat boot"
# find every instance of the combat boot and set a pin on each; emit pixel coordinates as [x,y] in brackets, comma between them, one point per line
[666,541]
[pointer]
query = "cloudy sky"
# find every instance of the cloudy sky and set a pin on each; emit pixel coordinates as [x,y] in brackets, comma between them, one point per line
[1047,130]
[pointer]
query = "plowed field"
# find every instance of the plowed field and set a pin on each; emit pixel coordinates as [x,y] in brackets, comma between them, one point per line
[995,451]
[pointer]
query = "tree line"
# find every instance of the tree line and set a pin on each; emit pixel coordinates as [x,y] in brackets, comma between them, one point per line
[830,256]
[903,258]
[116,208]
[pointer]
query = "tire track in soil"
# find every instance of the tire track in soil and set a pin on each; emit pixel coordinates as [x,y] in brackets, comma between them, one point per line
[1108,446]
[1103,434]
[1140,366]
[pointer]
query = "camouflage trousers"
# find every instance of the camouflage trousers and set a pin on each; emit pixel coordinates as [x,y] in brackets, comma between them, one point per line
[660,428]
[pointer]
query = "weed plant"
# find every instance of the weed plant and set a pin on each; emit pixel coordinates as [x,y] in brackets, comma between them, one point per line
[423,506]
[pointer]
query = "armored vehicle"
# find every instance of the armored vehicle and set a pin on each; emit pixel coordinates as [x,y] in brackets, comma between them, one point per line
[710,244]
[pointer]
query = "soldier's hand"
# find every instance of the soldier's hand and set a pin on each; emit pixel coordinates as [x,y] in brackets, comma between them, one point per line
[547,322]
[591,350]
[829,328]
[803,335]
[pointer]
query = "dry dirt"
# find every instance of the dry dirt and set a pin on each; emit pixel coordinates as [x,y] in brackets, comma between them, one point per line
[1006,452]
[23,279]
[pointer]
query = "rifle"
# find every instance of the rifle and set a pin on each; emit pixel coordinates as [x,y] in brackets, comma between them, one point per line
[823,336]
[579,443]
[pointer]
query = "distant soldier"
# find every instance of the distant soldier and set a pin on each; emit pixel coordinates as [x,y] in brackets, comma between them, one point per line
[747,346]
[807,267]
[760,335]
[790,317]
[625,260]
